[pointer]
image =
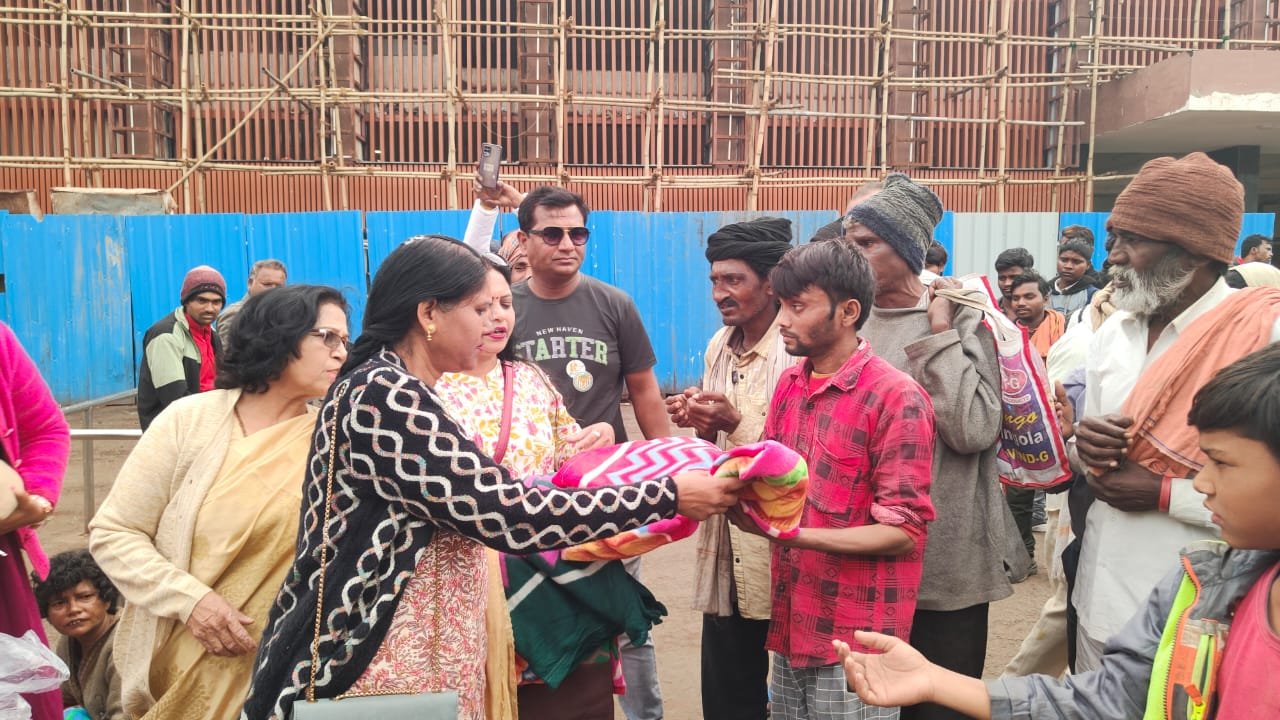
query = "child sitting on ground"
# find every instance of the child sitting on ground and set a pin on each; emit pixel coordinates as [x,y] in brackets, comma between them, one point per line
[80,602]
[1174,659]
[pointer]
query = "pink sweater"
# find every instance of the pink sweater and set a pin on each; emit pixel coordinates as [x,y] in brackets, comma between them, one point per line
[33,433]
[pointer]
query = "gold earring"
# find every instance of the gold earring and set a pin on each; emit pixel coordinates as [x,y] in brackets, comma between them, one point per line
[431,331]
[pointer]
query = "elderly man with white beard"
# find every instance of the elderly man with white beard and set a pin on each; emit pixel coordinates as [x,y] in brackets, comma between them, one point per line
[1177,323]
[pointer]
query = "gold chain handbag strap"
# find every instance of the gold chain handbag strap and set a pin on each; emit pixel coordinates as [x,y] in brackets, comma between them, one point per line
[434,564]
[324,545]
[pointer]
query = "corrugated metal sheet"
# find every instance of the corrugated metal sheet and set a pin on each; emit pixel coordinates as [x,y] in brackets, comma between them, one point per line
[68,297]
[317,248]
[4,296]
[658,258]
[1097,222]
[1254,223]
[162,248]
[82,290]
[386,230]
[979,237]
[945,235]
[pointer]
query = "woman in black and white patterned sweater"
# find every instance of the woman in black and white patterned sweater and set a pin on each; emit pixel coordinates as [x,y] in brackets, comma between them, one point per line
[414,500]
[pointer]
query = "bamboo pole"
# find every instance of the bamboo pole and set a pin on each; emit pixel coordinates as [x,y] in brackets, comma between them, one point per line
[869,137]
[444,19]
[763,100]
[322,116]
[885,97]
[82,59]
[64,101]
[1002,102]
[660,119]
[1069,63]
[197,120]
[562,52]
[990,59]
[650,91]
[184,79]
[676,181]
[344,196]
[1096,22]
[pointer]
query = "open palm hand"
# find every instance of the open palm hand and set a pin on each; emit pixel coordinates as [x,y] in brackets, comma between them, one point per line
[897,676]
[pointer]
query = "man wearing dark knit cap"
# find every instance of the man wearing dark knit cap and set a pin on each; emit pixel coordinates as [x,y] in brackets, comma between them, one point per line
[743,362]
[949,352]
[180,352]
[1172,234]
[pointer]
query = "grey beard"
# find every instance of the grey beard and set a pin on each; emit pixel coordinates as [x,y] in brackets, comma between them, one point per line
[1151,291]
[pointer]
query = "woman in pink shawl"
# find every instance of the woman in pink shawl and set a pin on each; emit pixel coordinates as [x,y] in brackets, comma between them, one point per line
[34,442]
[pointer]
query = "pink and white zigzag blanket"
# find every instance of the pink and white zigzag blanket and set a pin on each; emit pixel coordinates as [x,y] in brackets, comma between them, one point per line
[775,479]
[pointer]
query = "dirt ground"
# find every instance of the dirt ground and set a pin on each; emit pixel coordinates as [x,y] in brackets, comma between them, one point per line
[667,572]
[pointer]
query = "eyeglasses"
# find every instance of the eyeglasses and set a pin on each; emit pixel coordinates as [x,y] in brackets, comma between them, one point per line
[332,339]
[553,235]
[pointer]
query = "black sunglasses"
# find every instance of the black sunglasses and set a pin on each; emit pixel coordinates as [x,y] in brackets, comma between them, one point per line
[554,235]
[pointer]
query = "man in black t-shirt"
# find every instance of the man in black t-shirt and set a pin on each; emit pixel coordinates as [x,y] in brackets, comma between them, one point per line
[587,335]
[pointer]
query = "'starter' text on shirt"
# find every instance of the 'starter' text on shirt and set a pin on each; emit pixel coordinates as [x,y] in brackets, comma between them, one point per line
[559,348]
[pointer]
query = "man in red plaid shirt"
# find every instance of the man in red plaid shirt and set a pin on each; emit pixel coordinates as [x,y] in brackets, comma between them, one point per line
[866,430]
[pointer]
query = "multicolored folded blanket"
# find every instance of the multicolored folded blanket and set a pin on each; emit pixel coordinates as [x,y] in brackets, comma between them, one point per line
[775,479]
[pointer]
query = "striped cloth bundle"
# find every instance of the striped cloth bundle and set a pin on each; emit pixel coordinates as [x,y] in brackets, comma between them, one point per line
[775,480]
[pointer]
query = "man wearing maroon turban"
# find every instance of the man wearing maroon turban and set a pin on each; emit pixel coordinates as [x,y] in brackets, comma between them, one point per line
[1172,236]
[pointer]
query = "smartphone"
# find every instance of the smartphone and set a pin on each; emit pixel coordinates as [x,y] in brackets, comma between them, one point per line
[490,159]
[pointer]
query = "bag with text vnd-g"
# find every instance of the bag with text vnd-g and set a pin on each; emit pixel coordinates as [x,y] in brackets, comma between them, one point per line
[1032,453]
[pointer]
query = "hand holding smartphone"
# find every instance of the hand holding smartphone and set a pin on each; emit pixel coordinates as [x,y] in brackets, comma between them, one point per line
[490,161]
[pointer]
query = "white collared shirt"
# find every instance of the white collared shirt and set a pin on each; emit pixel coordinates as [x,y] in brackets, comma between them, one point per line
[1126,553]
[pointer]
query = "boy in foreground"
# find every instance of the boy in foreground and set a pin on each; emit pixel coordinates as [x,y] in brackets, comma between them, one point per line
[1175,658]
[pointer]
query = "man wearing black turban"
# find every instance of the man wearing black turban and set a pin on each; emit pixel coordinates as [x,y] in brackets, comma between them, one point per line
[743,362]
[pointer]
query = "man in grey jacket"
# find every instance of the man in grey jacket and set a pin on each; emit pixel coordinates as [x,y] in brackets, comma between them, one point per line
[952,355]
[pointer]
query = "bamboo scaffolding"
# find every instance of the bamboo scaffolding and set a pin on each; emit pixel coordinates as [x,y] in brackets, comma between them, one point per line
[644,92]
[103,19]
[324,33]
